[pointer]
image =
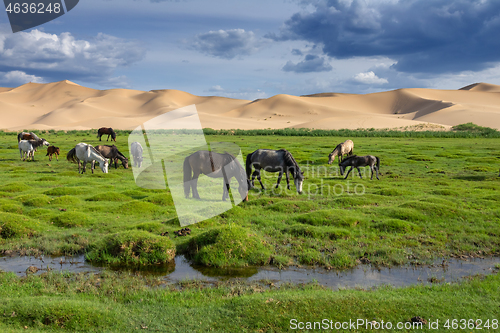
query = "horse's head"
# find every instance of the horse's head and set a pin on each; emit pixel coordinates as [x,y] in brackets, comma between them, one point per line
[298,179]
[45,142]
[331,158]
[104,166]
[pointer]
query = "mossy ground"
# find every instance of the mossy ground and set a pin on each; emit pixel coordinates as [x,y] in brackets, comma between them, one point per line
[435,198]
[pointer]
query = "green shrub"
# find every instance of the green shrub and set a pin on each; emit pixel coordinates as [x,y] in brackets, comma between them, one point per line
[58,191]
[229,246]
[396,226]
[109,196]
[333,217]
[66,200]
[14,187]
[34,200]
[133,247]
[16,225]
[137,207]
[71,219]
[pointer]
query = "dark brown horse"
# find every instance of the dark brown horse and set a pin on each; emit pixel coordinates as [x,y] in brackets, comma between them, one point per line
[360,161]
[113,154]
[53,150]
[106,130]
[214,165]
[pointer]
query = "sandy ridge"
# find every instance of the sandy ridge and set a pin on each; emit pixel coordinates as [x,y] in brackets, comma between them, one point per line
[66,105]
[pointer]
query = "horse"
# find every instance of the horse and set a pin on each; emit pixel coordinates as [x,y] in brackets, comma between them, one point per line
[113,154]
[86,153]
[214,165]
[53,150]
[105,130]
[136,151]
[28,148]
[344,148]
[274,161]
[360,161]
[27,136]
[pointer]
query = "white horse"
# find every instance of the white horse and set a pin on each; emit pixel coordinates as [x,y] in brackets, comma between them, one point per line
[86,153]
[136,151]
[28,147]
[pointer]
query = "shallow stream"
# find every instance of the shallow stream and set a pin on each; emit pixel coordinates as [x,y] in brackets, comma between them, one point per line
[362,276]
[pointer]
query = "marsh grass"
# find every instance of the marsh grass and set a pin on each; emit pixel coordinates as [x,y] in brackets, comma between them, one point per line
[434,199]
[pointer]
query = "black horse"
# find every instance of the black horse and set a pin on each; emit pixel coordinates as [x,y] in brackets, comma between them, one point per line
[214,165]
[360,161]
[106,130]
[274,161]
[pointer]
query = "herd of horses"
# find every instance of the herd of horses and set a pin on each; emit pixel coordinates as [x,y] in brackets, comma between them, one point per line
[212,164]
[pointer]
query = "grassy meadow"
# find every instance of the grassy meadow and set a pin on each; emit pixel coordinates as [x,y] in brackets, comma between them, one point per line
[437,197]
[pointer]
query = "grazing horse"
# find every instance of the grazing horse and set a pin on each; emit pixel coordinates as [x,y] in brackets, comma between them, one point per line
[28,148]
[214,165]
[344,148]
[53,150]
[113,154]
[360,161]
[274,161]
[86,153]
[27,136]
[105,130]
[136,151]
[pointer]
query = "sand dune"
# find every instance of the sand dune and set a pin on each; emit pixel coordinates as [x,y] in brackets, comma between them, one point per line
[66,105]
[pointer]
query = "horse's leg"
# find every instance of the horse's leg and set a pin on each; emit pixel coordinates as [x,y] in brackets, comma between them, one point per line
[371,168]
[348,172]
[287,179]
[279,178]
[254,174]
[260,181]
[359,171]
[376,172]
[194,184]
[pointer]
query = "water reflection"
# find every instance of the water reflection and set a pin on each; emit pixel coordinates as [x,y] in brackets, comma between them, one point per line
[362,276]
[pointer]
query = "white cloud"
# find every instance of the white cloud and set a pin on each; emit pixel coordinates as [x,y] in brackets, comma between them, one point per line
[369,78]
[62,56]
[17,78]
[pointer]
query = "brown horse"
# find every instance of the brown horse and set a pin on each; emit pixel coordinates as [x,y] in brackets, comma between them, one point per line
[214,165]
[53,150]
[344,148]
[106,130]
[113,154]
[360,161]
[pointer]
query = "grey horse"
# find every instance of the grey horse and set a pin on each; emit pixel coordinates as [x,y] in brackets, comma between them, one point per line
[360,161]
[214,165]
[270,160]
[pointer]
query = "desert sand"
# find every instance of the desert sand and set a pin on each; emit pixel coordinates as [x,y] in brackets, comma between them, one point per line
[66,105]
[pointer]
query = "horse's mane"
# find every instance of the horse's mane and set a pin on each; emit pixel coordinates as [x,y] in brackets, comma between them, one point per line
[96,151]
[348,159]
[337,149]
[291,163]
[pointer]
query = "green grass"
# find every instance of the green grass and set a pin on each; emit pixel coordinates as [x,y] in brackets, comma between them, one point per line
[435,198]
[114,302]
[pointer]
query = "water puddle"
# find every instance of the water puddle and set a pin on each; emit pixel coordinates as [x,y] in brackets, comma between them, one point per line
[362,276]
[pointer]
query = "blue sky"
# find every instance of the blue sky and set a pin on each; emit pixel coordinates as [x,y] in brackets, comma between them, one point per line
[256,49]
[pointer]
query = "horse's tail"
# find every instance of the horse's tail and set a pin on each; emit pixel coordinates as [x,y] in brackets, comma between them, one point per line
[187,177]
[378,163]
[248,165]
[19,137]
[71,156]
[98,132]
